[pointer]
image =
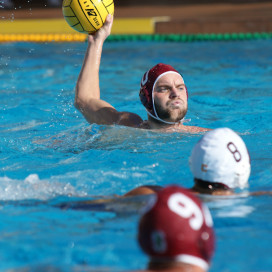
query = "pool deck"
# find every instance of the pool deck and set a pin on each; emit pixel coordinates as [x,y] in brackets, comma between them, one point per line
[230,17]
[206,18]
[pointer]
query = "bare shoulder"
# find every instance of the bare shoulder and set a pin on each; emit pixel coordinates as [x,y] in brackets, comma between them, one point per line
[194,129]
[130,119]
[144,190]
[188,129]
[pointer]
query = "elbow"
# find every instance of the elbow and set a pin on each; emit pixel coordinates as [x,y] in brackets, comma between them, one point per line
[77,104]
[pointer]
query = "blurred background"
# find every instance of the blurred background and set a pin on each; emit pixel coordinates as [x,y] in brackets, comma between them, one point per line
[57,3]
[168,16]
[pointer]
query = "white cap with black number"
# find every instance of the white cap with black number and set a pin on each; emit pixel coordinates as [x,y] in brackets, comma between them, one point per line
[221,156]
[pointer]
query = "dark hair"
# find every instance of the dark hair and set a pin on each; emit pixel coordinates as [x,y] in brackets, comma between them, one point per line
[211,186]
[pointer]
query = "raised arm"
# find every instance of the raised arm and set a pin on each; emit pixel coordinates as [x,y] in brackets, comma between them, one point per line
[87,98]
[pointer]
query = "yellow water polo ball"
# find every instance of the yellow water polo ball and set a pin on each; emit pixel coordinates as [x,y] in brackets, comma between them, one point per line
[86,16]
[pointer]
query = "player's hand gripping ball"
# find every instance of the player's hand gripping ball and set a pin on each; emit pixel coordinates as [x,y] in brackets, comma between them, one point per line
[87,16]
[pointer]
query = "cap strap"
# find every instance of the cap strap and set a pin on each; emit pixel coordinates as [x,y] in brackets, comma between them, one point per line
[184,258]
[154,108]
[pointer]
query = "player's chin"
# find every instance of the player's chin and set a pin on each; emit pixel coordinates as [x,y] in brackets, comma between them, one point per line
[178,114]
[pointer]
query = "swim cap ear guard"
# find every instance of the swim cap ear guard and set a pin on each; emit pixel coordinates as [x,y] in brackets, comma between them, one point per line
[148,82]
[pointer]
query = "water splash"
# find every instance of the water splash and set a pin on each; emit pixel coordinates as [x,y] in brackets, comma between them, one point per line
[32,187]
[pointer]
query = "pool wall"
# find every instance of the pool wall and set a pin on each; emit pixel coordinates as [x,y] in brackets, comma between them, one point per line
[223,20]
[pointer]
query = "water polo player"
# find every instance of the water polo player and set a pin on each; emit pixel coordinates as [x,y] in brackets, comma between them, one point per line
[162,92]
[176,232]
[220,164]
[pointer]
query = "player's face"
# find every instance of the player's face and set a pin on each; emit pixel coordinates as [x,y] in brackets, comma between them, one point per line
[170,97]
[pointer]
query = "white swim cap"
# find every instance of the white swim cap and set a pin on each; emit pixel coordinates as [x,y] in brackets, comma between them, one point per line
[221,156]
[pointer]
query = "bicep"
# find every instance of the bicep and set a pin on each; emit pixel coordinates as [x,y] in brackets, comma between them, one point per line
[101,112]
[97,111]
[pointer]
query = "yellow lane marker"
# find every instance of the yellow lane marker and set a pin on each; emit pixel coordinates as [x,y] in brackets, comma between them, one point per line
[46,26]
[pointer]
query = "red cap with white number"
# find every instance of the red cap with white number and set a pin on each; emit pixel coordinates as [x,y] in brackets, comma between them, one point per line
[221,156]
[176,226]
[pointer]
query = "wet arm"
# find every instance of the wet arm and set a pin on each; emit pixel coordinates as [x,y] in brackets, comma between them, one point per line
[260,193]
[87,98]
[144,190]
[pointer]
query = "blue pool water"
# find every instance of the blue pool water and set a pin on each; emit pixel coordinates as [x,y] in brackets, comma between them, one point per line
[49,155]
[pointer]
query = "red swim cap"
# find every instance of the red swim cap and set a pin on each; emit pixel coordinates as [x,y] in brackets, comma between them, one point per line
[148,82]
[177,227]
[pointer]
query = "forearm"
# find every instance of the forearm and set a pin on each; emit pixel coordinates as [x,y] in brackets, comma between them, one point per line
[87,86]
[88,81]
